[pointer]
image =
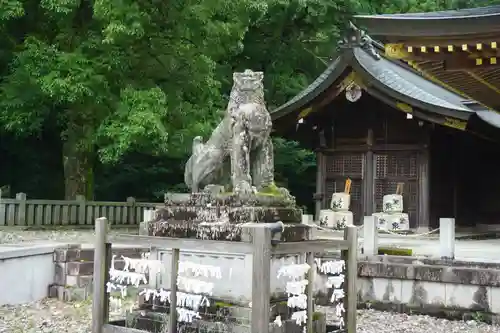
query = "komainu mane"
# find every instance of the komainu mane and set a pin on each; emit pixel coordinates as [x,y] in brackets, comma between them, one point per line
[241,139]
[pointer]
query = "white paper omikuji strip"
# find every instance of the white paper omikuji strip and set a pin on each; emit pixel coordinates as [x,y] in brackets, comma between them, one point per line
[296,287]
[337,295]
[335,281]
[142,265]
[197,270]
[298,301]
[295,290]
[296,271]
[194,288]
[300,317]
[183,299]
[332,267]
[187,316]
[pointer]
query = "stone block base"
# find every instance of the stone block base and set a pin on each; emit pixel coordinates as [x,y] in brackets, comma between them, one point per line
[229,214]
[216,231]
[74,269]
[70,294]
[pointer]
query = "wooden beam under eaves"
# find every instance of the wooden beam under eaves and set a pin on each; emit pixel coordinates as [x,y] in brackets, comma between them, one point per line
[461,63]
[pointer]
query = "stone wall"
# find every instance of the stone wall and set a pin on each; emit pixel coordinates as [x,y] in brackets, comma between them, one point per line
[452,289]
[74,267]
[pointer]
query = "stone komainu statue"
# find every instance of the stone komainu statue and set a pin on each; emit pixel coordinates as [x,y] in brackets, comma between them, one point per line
[242,138]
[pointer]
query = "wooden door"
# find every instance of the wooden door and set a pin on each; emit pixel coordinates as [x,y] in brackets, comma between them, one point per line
[339,167]
[392,168]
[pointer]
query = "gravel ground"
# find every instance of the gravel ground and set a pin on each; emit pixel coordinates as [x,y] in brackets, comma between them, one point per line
[51,316]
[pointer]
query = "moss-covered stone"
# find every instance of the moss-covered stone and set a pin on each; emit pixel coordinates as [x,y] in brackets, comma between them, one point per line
[395,251]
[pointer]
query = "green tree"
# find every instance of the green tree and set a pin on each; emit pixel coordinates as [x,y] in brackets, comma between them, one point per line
[116,76]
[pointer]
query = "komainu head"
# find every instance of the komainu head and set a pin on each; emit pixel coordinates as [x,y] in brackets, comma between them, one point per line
[248,81]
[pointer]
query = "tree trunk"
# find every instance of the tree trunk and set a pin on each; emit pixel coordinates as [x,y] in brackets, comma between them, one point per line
[78,172]
[77,162]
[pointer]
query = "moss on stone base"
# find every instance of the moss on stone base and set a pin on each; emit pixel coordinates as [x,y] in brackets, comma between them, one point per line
[395,251]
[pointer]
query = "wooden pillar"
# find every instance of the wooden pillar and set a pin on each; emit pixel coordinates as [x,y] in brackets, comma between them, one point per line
[320,183]
[456,149]
[424,185]
[369,177]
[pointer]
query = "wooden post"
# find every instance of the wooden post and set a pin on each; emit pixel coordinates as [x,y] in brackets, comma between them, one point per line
[423,191]
[350,289]
[173,291]
[21,213]
[310,291]
[369,177]
[130,210]
[319,196]
[3,210]
[81,209]
[99,295]
[261,279]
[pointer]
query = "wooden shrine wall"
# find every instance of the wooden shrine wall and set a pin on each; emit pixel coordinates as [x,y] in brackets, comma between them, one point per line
[370,135]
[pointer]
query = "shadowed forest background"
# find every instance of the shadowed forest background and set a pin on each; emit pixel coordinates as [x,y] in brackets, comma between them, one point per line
[104,97]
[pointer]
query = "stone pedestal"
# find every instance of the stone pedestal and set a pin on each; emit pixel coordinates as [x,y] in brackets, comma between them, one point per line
[221,217]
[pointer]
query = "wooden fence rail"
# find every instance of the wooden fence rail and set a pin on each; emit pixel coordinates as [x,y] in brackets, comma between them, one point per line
[259,247]
[23,212]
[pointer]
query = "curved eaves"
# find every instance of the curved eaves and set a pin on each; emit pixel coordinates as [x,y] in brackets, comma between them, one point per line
[408,87]
[445,23]
[477,12]
[430,117]
[490,117]
[323,82]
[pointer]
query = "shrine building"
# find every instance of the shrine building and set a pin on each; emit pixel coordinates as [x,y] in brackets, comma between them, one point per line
[411,110]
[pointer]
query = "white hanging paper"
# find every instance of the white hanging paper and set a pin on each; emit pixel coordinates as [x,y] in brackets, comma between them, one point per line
[195,286]
[277,321]
[335,281]
[339,309]
[124,277]
[337,294]
[294,271]
[296,287]
[142,265]
[298,301]
[196,270]
[300,317]
[332,267]
[187,316]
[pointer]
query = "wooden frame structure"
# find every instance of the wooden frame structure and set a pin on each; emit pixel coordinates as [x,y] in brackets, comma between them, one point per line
[261,250]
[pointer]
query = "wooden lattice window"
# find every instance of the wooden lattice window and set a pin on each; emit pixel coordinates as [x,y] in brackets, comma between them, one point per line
[391,170]
[396,166]
[333,186]
[350,165]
